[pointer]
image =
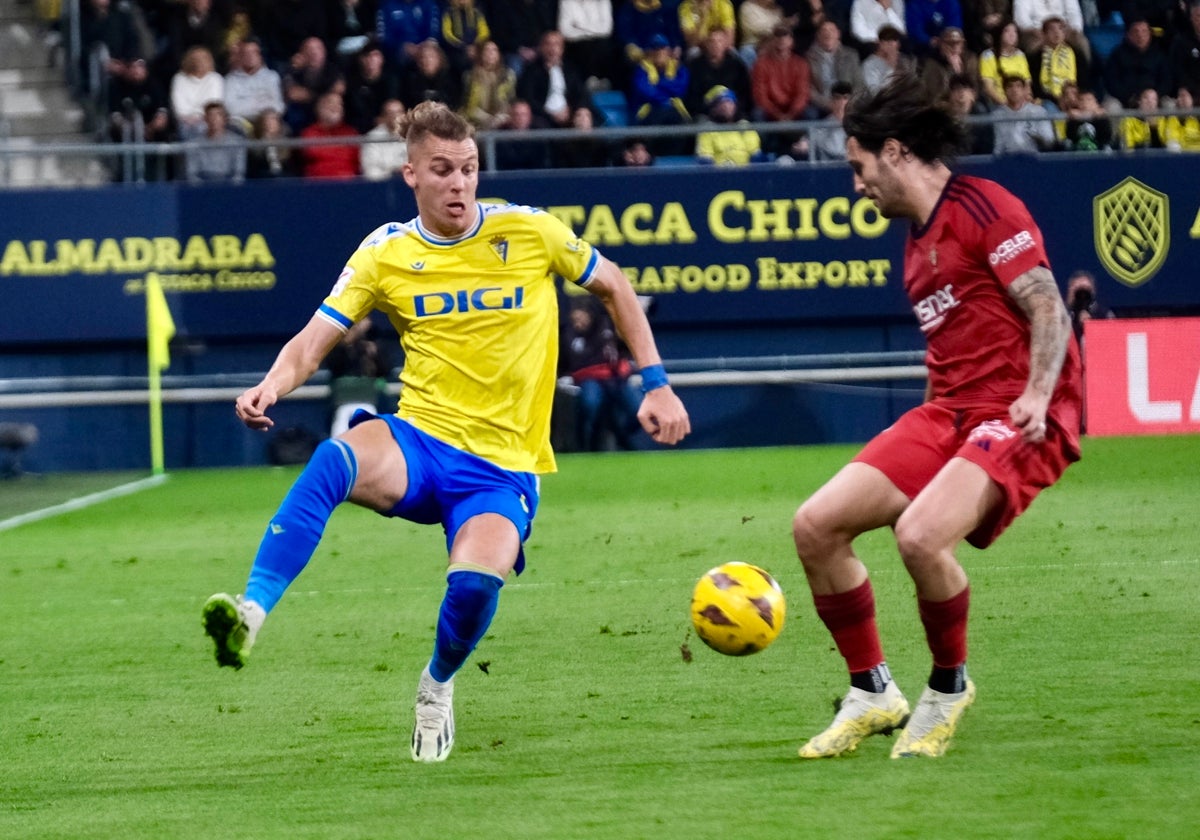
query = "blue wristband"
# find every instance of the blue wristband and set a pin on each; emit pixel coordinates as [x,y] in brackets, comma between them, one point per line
[654,377]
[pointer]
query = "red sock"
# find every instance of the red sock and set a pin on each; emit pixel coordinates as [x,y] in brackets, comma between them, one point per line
[850,617]
[946,628]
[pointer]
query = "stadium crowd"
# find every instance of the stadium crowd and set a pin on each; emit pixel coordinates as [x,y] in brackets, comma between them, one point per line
[215,72]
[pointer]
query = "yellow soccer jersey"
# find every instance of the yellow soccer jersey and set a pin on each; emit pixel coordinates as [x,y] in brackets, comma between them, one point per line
[478,324]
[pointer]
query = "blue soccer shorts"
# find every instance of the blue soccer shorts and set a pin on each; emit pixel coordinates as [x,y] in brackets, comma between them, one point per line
[448,485]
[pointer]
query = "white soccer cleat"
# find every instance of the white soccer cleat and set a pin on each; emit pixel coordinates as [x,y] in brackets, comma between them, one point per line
[861,714]
[433,734]
[233,624]
[933,723]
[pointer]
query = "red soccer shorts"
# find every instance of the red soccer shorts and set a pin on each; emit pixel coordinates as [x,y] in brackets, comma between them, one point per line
[912,451]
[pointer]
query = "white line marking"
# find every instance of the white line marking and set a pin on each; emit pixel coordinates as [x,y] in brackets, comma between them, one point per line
[82,502]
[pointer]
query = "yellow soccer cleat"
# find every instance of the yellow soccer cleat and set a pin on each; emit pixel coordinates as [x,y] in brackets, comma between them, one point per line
[233,624]
[933,723]
[861,714]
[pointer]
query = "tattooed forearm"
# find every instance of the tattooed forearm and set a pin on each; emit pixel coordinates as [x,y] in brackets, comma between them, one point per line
[1036,293]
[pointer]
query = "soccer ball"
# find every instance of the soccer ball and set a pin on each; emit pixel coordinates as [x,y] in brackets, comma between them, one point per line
[737,609]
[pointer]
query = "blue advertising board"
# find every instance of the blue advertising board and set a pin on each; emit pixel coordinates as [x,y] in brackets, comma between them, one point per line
[760,245]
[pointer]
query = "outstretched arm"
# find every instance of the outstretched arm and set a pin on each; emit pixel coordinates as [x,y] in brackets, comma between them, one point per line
[662,414]
[295,364]
[1036,293]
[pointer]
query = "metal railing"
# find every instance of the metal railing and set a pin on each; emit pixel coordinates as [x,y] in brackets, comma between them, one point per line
[77,391]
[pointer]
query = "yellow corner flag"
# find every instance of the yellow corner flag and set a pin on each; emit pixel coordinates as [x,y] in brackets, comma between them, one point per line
[160,326]
[160,329]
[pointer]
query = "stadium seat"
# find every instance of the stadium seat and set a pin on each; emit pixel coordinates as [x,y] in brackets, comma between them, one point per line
[614,106]
[675,160]
[1104,39]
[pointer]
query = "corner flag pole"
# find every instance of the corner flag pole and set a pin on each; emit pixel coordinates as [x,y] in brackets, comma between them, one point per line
[160,329]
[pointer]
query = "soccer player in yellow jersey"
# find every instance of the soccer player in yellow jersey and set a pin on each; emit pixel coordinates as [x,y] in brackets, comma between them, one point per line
[470,289]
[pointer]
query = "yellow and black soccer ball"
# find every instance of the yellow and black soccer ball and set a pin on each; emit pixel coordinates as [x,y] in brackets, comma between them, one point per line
[738,609]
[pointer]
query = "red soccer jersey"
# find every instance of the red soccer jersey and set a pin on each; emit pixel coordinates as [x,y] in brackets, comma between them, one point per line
[957,268]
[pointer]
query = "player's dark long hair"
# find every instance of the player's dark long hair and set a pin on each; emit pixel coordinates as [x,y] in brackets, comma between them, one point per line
[434,119]
[902,110]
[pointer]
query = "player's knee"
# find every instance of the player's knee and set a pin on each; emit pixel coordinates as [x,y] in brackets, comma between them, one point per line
[918,547]
[813,537]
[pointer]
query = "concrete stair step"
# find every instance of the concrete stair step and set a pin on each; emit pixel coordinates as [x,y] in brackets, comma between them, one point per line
[23,44]
[32,77]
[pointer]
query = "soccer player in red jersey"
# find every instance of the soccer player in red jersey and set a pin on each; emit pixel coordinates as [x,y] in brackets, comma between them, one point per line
[1000,420]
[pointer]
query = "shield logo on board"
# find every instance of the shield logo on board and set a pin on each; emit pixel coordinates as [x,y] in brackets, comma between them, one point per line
[1132,228]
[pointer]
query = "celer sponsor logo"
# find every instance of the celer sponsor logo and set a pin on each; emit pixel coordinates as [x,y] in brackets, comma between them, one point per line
[932,310]
[445,303]
[1011,247]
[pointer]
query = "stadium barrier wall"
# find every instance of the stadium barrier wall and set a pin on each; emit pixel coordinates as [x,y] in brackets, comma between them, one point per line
[764,260]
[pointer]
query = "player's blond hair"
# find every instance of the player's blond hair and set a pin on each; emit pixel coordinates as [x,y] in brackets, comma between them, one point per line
[434,119]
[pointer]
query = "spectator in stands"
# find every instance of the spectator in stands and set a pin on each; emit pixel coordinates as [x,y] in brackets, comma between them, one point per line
[582,152]
[697,18]
[551,85]
[810,14]
[1182,132]
[828,141]
[950,58]
[519,154]
[962,99]
[716,66]
[218,154]
[728,147]
[1135,64]
[641,21]
[587,29]
[780,85]
[271,160]
[659,88]
[310,77]
[491,86]
[284,26]
[1142,129]
[195,85]
[1034,133]
[406,24]
[429,78]
[831,62]
[250,86]
[1031,14]
[192,23]
[464,27]
[594,357]
[1088,127]
[1183,56]
[351,26]
[635,153]
[981,18]
[519,27]
[368,86]
[868,17]
[887,60]
[1004,59]
[1165,17]
[1057,63]
[330,161]
[925,20]
[139,94]
[111,44]
[386,152]
[756,19]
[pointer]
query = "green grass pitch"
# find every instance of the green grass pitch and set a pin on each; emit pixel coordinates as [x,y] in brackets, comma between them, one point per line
[578,717]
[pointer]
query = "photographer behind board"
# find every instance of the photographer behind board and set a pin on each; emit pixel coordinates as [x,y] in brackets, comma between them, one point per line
[1083,306]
